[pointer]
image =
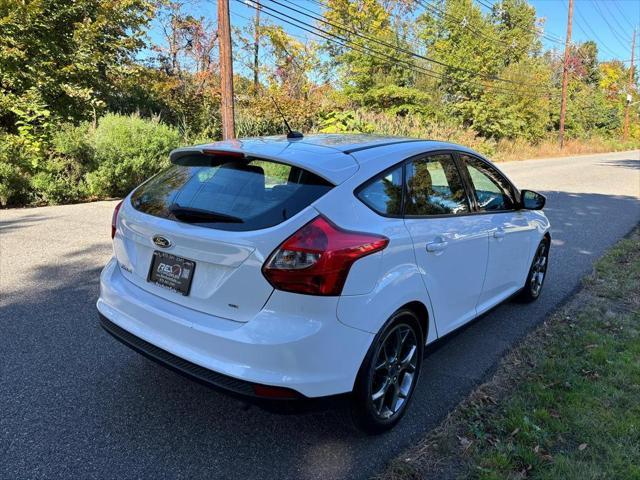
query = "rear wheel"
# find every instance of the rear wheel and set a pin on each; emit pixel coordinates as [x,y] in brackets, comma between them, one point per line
[537,273]
[389,374]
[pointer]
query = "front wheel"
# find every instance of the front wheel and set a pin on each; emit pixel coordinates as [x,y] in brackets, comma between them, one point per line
[537,273]
[389,374]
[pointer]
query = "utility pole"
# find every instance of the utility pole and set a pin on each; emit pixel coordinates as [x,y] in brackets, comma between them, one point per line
[627,106]
[565,74]
[226,70]
[256,50]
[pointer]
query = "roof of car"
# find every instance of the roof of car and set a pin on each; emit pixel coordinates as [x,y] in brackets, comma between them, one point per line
[328,155]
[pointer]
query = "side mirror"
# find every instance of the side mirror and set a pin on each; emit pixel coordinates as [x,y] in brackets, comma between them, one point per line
[531,200]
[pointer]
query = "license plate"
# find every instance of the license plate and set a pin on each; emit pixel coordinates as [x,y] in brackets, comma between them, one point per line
[171,272]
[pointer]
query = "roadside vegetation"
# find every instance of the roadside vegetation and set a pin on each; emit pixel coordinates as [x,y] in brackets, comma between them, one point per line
[563,404]
[94,93]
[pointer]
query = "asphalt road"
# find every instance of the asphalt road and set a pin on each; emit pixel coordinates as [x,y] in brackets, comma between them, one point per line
[74,403]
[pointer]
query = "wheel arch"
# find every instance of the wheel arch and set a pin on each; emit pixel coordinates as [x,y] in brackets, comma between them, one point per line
[421,311]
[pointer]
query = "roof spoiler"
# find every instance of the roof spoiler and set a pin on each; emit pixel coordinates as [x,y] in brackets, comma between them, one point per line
[205,157]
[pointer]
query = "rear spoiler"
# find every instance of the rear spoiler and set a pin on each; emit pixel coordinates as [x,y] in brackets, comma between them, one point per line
[202,157]
[330,164]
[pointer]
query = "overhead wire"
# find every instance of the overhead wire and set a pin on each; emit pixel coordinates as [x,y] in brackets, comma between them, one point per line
[362,49]
[593,33]
[383,43]
[616,35]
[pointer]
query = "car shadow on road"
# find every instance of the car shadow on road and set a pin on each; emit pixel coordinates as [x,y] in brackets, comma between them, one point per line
[80,403]
[22,222]
[631,163]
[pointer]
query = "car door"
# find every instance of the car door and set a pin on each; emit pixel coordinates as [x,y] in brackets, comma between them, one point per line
[450,250]
[507,227]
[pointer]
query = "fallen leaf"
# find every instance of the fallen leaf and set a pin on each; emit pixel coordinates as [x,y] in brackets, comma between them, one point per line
[582,446]
[513,434]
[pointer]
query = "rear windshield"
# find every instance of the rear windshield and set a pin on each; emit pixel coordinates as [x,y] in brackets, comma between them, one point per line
[230,195]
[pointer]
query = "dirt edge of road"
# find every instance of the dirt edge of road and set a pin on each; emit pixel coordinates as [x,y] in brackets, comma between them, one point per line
[537,414]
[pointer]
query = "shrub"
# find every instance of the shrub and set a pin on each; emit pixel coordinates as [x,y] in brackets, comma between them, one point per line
[128,150]
[62,178]
[60,181]
[341,122]
[16,163]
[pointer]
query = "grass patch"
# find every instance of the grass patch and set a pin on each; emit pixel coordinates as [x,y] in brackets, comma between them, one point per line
[565,403]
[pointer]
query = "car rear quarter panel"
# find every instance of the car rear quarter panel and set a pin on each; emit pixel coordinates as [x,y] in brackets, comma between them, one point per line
[381,283]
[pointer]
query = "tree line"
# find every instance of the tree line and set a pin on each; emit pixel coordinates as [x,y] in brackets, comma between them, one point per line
[94,93]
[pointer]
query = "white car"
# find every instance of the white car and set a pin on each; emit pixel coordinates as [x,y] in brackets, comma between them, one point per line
[303,268]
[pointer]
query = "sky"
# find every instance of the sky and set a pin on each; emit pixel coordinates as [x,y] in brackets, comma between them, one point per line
[609,23]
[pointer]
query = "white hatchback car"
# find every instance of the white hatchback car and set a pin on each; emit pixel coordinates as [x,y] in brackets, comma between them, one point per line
[290,269]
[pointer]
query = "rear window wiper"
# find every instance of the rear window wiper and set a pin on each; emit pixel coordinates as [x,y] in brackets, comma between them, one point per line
[195,215]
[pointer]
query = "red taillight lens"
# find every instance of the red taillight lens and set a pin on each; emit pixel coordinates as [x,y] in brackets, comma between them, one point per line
[114,219]
[317,258]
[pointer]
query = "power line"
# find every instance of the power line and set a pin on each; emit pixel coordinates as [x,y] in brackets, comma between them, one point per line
[551,37]
[463,23]
[615,3]
[439,13]
[613,30]
[614,18]
[593,33]
[369,51]
[384,43]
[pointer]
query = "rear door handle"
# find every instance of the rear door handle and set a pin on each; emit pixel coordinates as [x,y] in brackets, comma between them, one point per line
[499,233]
[437,246]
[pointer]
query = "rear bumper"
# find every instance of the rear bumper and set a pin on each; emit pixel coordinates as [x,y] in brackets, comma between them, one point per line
[296,345]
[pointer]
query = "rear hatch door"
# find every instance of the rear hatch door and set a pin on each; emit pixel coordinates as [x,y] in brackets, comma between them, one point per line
[199,233]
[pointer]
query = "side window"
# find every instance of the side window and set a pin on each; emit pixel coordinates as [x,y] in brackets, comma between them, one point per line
[435,187]
[384,194]
[492,189]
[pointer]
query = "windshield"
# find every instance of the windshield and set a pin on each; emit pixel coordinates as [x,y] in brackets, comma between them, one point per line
[234,195]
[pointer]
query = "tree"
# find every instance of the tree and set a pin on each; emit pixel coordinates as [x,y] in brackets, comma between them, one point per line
[370,40]
[61,57]
[521,112]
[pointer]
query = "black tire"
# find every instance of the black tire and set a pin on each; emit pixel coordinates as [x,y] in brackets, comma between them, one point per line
[537,273]
[397,379]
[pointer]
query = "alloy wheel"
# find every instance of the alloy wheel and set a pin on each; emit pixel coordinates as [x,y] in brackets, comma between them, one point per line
[394,371]
[538,269]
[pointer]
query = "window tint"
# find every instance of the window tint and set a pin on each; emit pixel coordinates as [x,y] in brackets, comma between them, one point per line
[231,195]
[435,187]
[492,189]
[384,194]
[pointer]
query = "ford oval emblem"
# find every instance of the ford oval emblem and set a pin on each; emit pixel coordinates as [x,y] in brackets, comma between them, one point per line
[161,241]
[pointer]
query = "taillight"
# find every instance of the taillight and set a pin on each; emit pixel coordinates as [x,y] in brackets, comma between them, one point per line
[114,219]
[317,258]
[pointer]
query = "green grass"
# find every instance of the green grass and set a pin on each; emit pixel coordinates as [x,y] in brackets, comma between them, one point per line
[565,404]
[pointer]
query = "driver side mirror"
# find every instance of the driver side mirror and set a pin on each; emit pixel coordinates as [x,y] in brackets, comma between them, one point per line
[531,200]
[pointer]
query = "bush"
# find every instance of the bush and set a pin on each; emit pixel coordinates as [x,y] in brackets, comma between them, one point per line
[61,181]
[62,178]
[127,151]
[16,163]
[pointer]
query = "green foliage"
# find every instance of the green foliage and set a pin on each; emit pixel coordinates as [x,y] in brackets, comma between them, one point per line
[63,55]
[343,122]
[370,28]
[15,168]
[398,100]
[588,111]
[517,113]
[62,178]
[128,150]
